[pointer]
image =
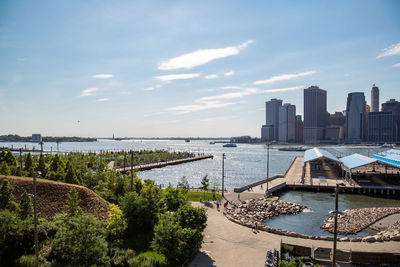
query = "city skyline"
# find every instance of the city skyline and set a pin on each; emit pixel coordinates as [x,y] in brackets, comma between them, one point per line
[155,69]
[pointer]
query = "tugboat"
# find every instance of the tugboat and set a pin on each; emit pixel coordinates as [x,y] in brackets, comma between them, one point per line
[230,145]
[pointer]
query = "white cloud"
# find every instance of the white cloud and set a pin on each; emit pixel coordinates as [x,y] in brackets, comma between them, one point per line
[158,86]
[102,76]
[285,77]
[102,99]
[125,93]
[201,56]
[148,89]
[390,51]
[89,91]
[294,88]
[199,107]
[211,76]
[171,77]
[396,65]
[229,73]
[244,92]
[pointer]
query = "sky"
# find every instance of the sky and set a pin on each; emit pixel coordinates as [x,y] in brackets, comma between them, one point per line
[186,68]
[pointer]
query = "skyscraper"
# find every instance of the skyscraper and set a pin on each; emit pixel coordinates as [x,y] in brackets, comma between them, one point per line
[269,131]
[299,129]
[315,114]
[287,126]
[394,106]
[355,117]
[375,98]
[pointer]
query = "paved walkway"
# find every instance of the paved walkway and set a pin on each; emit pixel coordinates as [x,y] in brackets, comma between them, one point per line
[230,244]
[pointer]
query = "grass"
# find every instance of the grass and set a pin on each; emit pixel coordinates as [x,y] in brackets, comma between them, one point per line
[195,196]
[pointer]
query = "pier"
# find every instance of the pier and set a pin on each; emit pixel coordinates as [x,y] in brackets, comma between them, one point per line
[149,166]
[293,180]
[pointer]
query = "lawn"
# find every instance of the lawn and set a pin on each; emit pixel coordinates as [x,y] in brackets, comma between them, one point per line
[195,196]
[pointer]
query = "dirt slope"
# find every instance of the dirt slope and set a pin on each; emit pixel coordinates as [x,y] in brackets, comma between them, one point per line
[52,196]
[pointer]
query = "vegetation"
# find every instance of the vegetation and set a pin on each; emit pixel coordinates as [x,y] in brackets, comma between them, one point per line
[147,226]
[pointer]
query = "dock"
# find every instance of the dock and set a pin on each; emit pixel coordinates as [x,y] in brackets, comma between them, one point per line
[160,164]
[292,180]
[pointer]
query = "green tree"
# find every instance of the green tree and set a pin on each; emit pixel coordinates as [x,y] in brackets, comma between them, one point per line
[139,211]
[173,198]
[41,167]
[116,223]
[192,217]
[80,242]
[25,206]
[56,163]
[6,196]
[10,159]
[178,244]
[28,162]
[70,175]
[205,183]
[4,169]
[2,156]
[72,208]
[184,184]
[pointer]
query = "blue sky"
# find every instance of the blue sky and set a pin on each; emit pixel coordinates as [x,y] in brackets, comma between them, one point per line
[186,68]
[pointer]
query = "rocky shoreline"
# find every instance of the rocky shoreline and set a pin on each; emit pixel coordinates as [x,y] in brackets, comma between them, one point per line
[254,211]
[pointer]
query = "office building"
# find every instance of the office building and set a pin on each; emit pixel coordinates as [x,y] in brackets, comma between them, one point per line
[375,99]
[355,117]
[37,138]
[380,127]
[269,131]
[287,125]
[394,106]
[299,129]
[315,114]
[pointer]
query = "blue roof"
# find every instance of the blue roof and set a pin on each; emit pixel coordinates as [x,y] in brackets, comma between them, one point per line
[356,160]
[316,153]
[391,152]
[392,160]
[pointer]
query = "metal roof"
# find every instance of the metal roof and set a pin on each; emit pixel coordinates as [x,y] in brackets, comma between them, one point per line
[392,160]
[316,153]
[391,152]
[356,160]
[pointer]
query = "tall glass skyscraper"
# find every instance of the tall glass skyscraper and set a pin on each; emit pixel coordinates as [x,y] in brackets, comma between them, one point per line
[355,117]
[375,99]
[315,114]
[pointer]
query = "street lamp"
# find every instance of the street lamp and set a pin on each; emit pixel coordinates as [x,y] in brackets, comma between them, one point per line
[336,211]
[223,157]
[268,144]
[33,196]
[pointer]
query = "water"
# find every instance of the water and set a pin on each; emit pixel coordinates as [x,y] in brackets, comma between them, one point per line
[243,165]
[318,207]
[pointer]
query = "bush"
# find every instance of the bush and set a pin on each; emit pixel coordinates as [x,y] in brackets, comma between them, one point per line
[176,243]
[80,242]
[116,223]
[192,217]
[173,198]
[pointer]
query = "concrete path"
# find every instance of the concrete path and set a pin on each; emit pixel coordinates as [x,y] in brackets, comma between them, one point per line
[230,244]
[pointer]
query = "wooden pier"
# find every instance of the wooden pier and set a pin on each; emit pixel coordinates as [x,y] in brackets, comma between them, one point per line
[149,166]
[292,180]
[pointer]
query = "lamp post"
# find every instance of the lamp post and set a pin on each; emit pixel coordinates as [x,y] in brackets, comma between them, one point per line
[268,144]
[336,211]
[35,222]
[223,173]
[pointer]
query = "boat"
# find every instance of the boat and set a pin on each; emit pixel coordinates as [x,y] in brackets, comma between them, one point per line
[187,140]
[212,143]
[230,145]
[386,145]
[292,148]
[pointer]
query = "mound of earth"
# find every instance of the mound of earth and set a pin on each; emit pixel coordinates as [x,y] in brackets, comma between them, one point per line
[52,196]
